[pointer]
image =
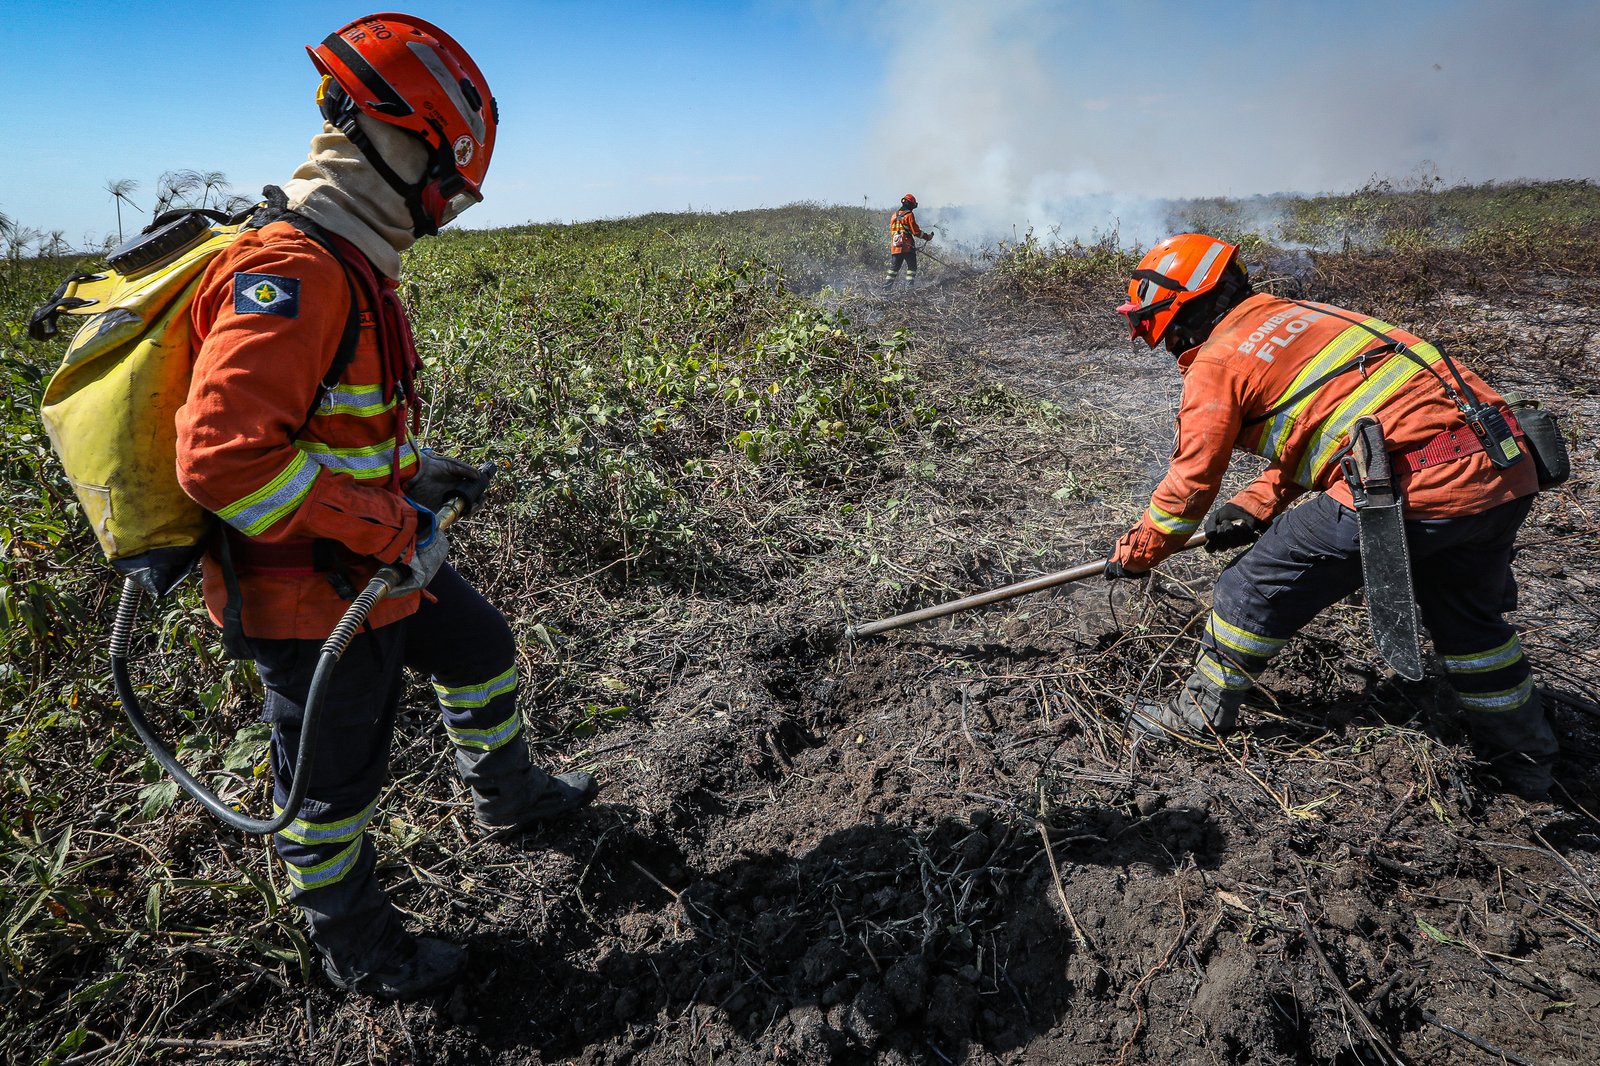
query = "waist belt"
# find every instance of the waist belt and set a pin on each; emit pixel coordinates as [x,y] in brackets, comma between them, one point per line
[291,558]
[1448,446]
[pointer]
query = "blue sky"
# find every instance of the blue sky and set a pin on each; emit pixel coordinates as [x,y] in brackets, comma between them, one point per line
[1051,114]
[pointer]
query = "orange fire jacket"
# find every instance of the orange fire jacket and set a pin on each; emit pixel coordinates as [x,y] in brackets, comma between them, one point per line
[902,228]
[268,317]
[1261,355]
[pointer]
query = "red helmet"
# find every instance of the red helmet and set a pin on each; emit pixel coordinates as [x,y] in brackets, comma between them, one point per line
[1177,270]
[411,74]
[908,201]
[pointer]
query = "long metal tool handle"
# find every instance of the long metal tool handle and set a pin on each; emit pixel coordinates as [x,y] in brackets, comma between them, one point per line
[311,721]
[983,599]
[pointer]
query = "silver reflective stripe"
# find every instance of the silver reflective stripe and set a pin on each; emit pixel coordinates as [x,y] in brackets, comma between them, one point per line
[1169,523]
[1510,699]
[1222,674]
[260,510]
[1370,395]
[363,401]
[304,878]
[363,464]
[1204,265]
[1338,351]
[1242,640]
[436,67]
[486,739]
[477,695]
[1485,661]
[305,832]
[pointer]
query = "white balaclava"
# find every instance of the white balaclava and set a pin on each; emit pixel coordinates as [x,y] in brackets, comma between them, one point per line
[340,191]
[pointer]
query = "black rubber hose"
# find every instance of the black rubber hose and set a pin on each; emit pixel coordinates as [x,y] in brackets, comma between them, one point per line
[311,721]
[310,726]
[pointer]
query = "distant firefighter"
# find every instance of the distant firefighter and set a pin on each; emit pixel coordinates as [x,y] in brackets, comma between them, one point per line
[903,231]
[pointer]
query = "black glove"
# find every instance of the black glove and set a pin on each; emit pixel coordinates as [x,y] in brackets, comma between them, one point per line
[929,235]
[1115,570]
[440,477]
[1231,526]
[428,556]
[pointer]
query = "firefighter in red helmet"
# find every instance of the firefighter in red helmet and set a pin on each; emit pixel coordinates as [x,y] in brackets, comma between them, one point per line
[1320,391]
[903,231]
[318,482]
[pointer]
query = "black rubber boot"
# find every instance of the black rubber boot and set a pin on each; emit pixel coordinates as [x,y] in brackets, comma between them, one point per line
[410,967]
[510,795]
[364,946]
[1518,748]
[1201,710]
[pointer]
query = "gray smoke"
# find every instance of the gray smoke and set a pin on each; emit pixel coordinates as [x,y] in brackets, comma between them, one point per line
[1005,108]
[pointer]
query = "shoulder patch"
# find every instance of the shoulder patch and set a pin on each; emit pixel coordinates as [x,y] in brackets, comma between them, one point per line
[266,294]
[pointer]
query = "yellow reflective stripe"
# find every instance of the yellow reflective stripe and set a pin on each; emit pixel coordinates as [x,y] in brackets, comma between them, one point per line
[304,832]
[362,401]
[1484,661]
[364,464]
[1370,395]
[1222,674]
[1510,699]
[1242,640]
[485,739]
[257,512]
[1340,350]
[1168,522]
[324,873]
[465,697]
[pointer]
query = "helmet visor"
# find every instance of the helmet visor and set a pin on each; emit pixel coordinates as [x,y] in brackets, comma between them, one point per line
[459,203]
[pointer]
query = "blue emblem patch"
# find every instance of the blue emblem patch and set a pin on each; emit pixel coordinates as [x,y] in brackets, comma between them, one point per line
[266,294]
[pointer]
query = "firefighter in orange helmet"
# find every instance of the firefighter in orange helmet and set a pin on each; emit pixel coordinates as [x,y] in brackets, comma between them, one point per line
[1288,380]
[318,482]
[903,231]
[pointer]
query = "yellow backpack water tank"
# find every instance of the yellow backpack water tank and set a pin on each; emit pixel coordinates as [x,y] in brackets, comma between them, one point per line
[110,408]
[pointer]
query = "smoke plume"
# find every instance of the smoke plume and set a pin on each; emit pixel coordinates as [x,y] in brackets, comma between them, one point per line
[1076,119]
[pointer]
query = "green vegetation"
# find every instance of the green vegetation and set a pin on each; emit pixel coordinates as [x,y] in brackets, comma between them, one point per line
[628,374]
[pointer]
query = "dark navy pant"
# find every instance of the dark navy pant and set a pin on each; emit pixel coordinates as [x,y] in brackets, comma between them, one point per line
[909,258]
[464,644]
[1310,558]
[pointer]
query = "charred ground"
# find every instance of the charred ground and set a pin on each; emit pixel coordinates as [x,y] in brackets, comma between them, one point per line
[936,846]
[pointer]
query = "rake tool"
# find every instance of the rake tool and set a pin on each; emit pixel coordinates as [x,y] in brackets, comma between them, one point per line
[983,599]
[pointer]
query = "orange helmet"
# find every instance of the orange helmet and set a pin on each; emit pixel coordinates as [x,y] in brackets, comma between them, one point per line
[908,201]
[406,72]
[1171,274]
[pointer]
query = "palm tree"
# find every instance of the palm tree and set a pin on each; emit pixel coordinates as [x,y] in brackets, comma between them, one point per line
[56,245]
[213,181]
[176,185]
[119,190]
[21,237]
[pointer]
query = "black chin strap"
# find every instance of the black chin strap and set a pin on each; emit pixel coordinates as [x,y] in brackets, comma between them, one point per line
[337,109]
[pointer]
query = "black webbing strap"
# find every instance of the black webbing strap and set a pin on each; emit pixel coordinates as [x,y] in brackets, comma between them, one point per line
[233,639]
[42,323]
